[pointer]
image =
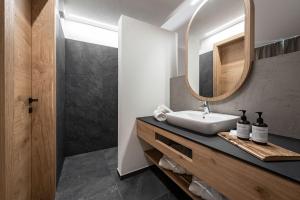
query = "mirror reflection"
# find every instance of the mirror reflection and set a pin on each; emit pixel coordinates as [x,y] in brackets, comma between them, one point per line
[216,47]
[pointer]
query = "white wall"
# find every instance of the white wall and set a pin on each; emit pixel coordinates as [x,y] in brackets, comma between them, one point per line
[147,61]
[193,60]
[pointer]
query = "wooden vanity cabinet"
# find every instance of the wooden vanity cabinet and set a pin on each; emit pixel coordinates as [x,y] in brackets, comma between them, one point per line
[234,178]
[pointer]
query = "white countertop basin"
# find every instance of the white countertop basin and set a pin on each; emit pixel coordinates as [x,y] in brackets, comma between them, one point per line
[208,124]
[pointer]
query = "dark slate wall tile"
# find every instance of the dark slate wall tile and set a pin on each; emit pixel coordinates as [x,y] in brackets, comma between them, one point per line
[84,91]
[91,97]
[206,74]
[60,95]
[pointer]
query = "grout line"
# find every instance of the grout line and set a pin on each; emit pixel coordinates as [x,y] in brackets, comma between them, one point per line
[119,190]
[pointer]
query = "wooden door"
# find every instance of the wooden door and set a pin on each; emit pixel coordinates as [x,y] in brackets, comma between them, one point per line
[44,88]
[27,69]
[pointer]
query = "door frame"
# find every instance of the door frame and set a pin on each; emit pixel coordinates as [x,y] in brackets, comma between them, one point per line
[6,93]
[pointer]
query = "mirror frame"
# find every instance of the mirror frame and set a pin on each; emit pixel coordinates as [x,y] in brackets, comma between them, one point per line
[249,52]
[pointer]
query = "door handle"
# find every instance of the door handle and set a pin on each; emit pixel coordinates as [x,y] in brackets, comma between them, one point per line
[31,100]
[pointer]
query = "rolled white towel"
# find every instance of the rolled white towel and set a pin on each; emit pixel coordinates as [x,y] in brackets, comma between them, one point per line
[201,189]
[159,116]
[164,163]
[160,113]
[167,163]
[164,109]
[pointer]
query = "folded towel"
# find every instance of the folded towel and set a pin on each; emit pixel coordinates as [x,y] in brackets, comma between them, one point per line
[160,113]
[167,163]
[201,189]
[163,162]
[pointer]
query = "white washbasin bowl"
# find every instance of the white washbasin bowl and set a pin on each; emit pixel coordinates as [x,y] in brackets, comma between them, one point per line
[208,124]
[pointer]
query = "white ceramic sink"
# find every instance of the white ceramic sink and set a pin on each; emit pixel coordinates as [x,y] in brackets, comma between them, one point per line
[208,124]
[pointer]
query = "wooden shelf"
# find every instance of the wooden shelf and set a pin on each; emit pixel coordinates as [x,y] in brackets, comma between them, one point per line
[228,64]
[234,64]
[154,156]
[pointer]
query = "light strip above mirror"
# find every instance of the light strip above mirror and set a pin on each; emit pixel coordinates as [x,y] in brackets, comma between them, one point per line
[225,26]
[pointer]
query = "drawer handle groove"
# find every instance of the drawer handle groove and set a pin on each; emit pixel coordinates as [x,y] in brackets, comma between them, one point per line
[182,151]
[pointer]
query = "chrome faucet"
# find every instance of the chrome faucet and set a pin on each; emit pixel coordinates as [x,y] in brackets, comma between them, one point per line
[206,108]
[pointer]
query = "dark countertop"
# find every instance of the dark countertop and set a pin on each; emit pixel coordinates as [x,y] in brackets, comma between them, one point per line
[287,169]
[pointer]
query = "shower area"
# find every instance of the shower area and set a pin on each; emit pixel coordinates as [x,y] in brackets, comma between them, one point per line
[87,96]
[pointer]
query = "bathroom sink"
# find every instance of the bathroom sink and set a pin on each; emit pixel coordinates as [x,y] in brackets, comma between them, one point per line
[208,124]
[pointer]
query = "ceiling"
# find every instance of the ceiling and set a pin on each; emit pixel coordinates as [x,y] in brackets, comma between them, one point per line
[274,19]
[154,12]
[216,13]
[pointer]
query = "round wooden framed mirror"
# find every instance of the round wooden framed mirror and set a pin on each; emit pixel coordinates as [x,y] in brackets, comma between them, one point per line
[219,50]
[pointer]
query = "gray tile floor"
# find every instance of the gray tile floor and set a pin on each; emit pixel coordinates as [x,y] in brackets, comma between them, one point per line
[93,176]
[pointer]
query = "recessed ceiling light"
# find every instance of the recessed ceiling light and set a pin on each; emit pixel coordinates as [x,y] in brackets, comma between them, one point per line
[92,22]
[89,33]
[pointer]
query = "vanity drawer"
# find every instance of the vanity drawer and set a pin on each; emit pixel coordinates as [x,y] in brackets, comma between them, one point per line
[236,179]
[230,176]
[146,132]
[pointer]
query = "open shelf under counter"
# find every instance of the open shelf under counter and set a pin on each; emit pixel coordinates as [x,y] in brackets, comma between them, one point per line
[154,156]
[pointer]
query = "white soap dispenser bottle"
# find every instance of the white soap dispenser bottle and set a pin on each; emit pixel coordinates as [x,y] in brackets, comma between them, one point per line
[243,127]
[260,130]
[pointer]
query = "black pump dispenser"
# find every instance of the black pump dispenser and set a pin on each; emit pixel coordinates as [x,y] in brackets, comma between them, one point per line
[243,119]
[260,121]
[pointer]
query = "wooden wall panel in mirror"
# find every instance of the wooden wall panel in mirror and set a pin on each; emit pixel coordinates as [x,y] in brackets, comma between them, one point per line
[219,48]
